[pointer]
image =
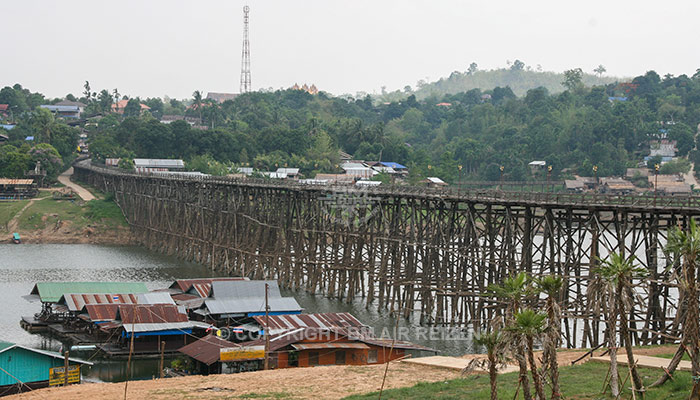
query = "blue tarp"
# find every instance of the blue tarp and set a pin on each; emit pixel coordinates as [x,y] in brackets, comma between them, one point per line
[29,138]
[7,126]
[393,165]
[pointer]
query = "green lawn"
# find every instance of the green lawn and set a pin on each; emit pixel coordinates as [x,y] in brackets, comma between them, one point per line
[48,212]
[577,382]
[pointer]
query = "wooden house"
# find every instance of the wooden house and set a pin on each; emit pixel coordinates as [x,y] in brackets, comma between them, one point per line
[25,368]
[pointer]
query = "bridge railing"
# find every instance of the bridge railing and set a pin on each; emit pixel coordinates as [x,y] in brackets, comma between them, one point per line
[491,195]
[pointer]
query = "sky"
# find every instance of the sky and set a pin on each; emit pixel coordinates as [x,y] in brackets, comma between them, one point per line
[154,48]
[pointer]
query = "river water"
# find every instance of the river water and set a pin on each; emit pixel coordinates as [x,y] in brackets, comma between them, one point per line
[24,265]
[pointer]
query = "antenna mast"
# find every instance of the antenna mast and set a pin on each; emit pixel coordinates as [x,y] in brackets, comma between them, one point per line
[245,60]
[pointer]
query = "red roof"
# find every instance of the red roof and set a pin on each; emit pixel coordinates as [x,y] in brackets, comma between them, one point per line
[4,107]
[201,285]
[150,314]
[336,321]
[102,312]
[207,349]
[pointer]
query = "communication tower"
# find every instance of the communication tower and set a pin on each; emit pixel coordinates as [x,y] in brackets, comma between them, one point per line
[245,60]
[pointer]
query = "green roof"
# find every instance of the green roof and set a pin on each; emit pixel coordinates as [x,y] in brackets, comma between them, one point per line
[51,292]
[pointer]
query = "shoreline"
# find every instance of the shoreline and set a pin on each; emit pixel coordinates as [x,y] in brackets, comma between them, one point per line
[118,236]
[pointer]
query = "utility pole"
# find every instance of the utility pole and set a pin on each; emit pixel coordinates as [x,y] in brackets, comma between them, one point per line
[162,354]
[267,328]
[245,59]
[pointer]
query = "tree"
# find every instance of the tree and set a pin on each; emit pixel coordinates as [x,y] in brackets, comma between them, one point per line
[619,273]
[684,245]
[87,93]
[133,108]
[197,97]
[530,324]
[600,70]
[42,123]
[573,78]
[493,342]
[472,68]
[104,100]
[513,290]
[517,66]
[552,285]
[115,94]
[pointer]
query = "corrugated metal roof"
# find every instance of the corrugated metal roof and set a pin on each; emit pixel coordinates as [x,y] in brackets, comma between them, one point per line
[188,300]
[155,298]
[8,181]
[150,313]
[158,163]
[102,312]
[329,345]
[5,346]
[207,349]
[165,326]
[244,289]
[251,305]
[52,291]
[186,284]
[281,323]
[76,302]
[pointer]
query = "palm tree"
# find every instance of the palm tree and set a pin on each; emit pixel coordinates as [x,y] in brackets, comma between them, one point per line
[493,341]
[530,324]
[197,97]
[552,285]
[619,272]
[685,245]
[513,289]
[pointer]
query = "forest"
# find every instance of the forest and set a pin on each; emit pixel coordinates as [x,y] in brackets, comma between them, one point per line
[608,126]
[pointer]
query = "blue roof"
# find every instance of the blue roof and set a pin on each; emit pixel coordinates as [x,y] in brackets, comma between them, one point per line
[29,138]
[615,98]
[7,126]
[392,165]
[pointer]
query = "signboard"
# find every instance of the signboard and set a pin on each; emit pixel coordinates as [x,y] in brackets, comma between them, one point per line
[242,353]
[57,377]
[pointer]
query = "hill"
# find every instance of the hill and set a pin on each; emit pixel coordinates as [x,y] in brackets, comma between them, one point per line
[519,81]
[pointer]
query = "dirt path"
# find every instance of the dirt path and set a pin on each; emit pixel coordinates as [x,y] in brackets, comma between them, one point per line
[14,222]
[64,178]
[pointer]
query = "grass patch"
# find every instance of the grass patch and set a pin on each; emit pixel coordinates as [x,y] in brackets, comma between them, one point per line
[48,212]
[577,382]
[670,355]
[105,211]
[9,209]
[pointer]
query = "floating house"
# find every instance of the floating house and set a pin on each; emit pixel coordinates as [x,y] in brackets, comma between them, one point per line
[150,325]
[234,301]
[25,368]
[304,340]
[50,293]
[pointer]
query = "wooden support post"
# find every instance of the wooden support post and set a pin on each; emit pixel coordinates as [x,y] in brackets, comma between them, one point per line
[162,356]
[65,368]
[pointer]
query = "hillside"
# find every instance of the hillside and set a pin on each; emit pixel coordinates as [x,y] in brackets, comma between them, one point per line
[519,81]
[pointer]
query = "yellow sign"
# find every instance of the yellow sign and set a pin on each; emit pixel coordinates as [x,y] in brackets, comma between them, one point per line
[242,353]
[57,378]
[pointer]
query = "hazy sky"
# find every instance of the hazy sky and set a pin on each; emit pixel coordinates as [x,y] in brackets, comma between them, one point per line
[171,47]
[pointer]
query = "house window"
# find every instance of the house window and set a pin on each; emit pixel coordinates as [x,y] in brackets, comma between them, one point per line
[340,357]
[372,356]
[313,358]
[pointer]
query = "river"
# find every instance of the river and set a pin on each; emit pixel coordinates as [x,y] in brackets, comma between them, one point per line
[24,265]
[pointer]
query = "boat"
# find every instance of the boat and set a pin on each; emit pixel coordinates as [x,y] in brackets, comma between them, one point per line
[16,239]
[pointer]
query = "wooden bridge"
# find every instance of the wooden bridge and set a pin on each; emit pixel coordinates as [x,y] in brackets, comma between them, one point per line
[429,253]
